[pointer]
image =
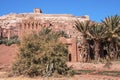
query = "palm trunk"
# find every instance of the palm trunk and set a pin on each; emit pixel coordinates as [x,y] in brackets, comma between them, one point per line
[86,51]
[117,51]
[97,50]
[1,33]
[101,51]
[112,50]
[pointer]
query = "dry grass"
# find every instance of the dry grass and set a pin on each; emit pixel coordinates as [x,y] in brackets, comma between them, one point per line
[16,78]
[76,77]
[110,73]
[4,76]
[25,78]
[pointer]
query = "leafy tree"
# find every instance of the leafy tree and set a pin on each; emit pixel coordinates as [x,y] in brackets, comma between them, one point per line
[41,54]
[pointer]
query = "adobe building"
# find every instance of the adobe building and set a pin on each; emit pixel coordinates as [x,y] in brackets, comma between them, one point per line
[19,24]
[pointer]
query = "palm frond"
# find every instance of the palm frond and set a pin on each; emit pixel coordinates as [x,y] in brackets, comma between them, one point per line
[98,31]
[83,27]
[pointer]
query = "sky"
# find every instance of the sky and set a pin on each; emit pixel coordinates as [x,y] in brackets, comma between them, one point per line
[97,10]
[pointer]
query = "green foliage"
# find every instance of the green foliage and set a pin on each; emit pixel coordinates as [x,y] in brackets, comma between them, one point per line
[98,32]
[83,27]
[13,40]
[105,35]
[63,34]
[110,73]
[112,25]
[83,71]
[41,54]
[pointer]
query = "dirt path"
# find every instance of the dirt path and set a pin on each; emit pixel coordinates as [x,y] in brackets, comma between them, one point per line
[7,55]
[115,66]
[95,77]
[76,77]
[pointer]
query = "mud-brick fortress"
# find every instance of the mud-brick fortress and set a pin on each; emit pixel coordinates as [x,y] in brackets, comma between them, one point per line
[19,24]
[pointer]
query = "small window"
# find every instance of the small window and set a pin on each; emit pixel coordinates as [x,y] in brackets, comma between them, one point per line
[36,24]
[33,24]
[28,24]
[24,24]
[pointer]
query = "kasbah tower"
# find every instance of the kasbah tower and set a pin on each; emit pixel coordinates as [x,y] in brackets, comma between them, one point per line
[19,24]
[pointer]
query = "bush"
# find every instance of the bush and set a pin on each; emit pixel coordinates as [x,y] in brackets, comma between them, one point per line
[0,41]
[41,54]
[13,40]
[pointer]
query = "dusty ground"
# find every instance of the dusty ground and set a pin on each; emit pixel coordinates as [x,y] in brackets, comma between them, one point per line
[115,66]
[8,54]
[76,77]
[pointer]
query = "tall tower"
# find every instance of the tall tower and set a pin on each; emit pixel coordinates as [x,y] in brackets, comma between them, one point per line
[37,10]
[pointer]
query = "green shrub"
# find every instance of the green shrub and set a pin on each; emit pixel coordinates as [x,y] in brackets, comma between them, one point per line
[41,54]
[0,41]
[13,40]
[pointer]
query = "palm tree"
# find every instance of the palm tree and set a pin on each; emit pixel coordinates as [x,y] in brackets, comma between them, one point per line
[113,29]
[98,34]
[84,27]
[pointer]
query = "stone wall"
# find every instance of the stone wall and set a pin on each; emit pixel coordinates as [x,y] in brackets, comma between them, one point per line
[19,24]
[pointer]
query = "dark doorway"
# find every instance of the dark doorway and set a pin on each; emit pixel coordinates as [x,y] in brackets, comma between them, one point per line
[70,57]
